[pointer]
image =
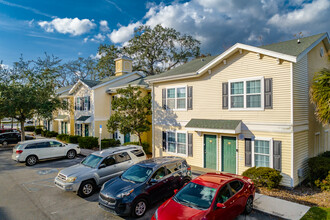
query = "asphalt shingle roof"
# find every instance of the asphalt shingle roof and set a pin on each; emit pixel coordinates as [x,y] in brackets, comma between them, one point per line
[61,90]
[61,117]
[83,118]
[213,124]
[291,47]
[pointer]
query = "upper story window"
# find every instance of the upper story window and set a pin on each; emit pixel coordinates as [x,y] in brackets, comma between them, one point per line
[246,93]
[82,103]
[176,98]
[66,103]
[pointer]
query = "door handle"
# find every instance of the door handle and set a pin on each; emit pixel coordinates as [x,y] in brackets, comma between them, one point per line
[232,202]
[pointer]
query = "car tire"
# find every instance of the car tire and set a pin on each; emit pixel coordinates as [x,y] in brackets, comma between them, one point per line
[86,188]
[71,154]
[139,208]
[31,160]
[5,144]
[185,181]
[248,205]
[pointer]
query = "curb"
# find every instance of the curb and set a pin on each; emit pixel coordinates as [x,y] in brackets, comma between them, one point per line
[6,149]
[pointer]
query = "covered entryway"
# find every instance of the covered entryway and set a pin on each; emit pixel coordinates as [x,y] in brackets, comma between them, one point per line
[210,151]
[228,154]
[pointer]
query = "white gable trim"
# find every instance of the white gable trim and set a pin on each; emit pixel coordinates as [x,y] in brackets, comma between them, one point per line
[119,78]
[301,55]
[76,86]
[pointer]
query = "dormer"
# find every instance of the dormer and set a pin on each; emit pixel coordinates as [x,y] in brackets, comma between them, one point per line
[123,65]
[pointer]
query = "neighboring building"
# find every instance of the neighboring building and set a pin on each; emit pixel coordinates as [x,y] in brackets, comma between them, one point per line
[247,107]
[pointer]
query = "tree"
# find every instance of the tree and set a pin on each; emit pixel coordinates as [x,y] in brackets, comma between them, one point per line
[320,95]
[82,68]
[106,63]
[29,90]
[131,111]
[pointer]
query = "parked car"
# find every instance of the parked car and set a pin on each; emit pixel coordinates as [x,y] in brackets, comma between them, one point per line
[210,196]
[98,168]
[12,138]
[143,184]
[6,130]
[32,151]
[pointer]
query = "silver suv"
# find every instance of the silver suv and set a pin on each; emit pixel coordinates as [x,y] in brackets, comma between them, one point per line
[97,168]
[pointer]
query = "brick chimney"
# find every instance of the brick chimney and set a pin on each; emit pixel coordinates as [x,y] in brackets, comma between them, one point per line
[123,65]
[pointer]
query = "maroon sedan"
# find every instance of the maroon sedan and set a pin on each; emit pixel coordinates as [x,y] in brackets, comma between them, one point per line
[210,196]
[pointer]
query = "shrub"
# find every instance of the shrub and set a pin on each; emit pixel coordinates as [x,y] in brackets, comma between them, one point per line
[264,176]
[62,137]
[106,143]
[88,142]
[145,146]
[318,167]
[326,154]
[73,139]
[29,128]
[324,184]
[40,126]
[38,130]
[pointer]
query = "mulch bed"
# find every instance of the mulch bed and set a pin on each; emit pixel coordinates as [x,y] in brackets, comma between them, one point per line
[301,194]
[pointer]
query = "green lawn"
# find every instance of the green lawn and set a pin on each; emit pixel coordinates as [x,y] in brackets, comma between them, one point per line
[318,213]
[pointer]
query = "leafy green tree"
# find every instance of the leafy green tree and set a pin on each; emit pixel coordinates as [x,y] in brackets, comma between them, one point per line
[158,49]
[29,90]
[320,95]
[131,111]
[106,63]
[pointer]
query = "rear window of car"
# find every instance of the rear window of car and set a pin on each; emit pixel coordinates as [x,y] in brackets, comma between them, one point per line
[138,153]
[236,186]
[122,157]
[174,167]
[38,145]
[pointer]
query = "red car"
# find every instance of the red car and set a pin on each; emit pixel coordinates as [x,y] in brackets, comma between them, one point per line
[210,196]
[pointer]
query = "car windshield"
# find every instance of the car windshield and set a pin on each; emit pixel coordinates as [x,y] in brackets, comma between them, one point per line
[195,196]
[137,174]
[91,160]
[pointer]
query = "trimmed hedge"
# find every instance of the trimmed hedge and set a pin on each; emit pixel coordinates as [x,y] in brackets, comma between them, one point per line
[88,142]
[49,134]
[29,128]
[319,167]
[145,146]
[72,139]
[62,137]
[324,185]
[38,130]
[106,143]
[264,176]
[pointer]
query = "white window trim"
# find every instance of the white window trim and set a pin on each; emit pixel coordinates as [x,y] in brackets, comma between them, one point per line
[176,143]
[176,98]
[270,150]
[86,103]
[244,80]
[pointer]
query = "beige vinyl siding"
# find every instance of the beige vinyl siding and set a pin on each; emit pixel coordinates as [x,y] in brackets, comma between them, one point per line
[105,133]
[300,92]
[300,155]
[315,64]
[207,91]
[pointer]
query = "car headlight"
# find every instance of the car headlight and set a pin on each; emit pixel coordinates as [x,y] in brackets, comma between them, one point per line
[70,179]
[156,214]
[122,195]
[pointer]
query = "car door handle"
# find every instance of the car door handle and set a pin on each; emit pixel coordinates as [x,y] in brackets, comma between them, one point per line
[232,202]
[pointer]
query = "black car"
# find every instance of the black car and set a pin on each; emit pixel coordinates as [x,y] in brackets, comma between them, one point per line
[12,138]
[146,182]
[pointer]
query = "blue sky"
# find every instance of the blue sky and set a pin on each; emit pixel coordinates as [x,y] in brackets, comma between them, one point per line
[69,29]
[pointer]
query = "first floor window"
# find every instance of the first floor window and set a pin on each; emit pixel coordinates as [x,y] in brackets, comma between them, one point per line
[262,153]
[177,142]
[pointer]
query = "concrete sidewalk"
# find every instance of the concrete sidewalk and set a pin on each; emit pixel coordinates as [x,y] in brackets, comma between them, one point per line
[267,204]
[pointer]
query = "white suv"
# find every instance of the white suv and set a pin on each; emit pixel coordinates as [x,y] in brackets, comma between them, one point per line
[32,151]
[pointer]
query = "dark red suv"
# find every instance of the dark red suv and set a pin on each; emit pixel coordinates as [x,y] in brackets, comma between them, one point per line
[210,196]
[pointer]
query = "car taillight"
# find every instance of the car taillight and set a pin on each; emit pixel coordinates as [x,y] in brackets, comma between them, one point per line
[19,151]
[189,168]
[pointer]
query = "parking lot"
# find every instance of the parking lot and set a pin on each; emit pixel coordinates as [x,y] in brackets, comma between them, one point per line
[29,193]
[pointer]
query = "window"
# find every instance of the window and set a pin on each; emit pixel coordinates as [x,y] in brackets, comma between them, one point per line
[109,161]
[86,103]
[78,128]
[176,98]
[172,168]
[83,103]
[224,195]
[66,104]
[236,186]
[55,144]
[262,153]
[122,157]
[138,153]
[160,173]
[177,142]
[246,94]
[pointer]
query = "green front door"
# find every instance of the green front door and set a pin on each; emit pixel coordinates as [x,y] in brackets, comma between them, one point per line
[228,157]
[86,130]
[210,151]
[127,138]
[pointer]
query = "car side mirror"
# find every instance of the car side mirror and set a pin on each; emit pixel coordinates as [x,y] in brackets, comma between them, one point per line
[102,166]
[176,191]
[220,206]
[153,181]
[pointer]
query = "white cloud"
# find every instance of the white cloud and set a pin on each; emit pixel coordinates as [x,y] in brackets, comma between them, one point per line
[96,38]
[104,26]
[4,66]
[124,33]
[97,55]
[71,26]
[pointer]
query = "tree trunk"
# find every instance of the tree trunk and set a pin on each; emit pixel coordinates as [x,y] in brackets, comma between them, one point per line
[140,141]
[12,123]
[22,131]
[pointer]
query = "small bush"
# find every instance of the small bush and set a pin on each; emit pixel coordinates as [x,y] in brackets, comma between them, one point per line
[326,154]
[324,185]
[38,130]
[264,176]
[72,139]
[145,146]
[318,167]
[88,142]
[62,137]
[29,128]
[106,143]
[51,134]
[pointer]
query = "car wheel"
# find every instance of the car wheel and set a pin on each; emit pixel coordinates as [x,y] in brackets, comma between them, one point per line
[31,160]
[139,208]
[86,189]
[71,154]
[248,206]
